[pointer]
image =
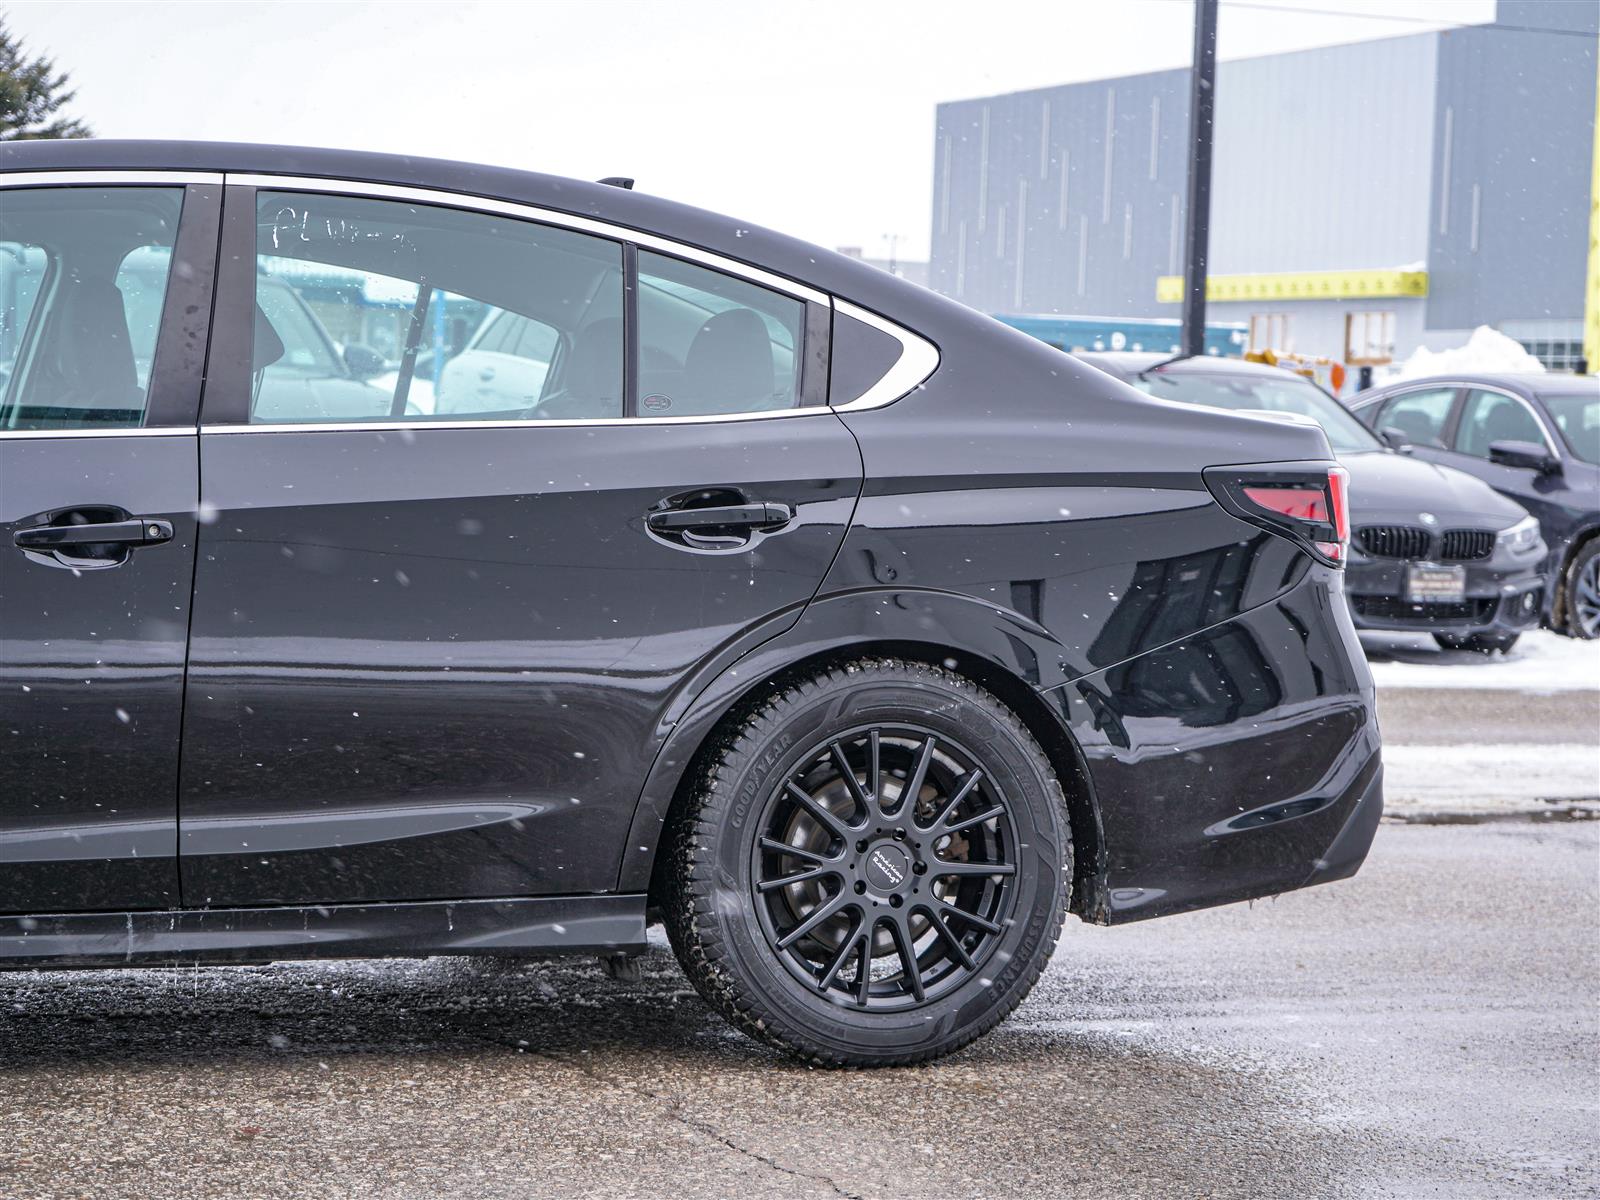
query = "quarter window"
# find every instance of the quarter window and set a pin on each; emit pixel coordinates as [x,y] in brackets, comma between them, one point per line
[375,310]
[1420,415]
[1491,417]
[83,281]
[710,343]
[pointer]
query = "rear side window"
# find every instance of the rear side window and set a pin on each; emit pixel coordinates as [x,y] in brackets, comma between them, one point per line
[376,310]
[1420,415]
[1491,417]
[710,343]
[83,281]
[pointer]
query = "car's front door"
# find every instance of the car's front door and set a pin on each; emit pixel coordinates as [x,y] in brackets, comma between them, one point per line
[105,293]
[1489,415]
[1422,417]
[433,651]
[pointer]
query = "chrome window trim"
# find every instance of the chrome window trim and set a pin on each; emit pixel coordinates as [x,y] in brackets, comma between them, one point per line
[919,359]
[1538,417]
[421,423]
[105,178]
[529,212]
[114,431]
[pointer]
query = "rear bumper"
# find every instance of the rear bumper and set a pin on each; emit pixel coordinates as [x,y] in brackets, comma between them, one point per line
[1241,762]
[1501,596]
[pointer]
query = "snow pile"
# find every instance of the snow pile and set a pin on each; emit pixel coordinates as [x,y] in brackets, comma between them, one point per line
[1487,351]
[1541,662]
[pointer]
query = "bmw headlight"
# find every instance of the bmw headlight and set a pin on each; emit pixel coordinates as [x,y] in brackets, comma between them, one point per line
[1521,537]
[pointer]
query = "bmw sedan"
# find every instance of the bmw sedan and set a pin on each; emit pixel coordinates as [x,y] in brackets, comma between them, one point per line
[854,636]
[1534,438]
[1434,550]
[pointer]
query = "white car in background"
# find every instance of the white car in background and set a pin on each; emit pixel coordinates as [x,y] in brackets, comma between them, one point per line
[503,367]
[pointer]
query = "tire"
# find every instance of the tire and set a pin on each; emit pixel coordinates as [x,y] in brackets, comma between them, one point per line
[931,724]
[1582,588]
[1482,643]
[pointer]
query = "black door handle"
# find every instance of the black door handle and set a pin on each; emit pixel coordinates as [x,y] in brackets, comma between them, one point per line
[137,531]
[97,538]
[725,516]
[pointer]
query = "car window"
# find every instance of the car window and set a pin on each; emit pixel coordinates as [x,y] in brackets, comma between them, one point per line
[710,343]
[1490,417]
[1577,416]
[1420,415]
[1273,393]
[83,280]
[363,308]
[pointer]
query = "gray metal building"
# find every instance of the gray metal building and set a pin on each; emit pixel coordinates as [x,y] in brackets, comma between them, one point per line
[1439,181]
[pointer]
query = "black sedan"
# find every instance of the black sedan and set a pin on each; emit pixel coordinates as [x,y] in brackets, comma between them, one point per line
[1434,550]
[857,637]
[1536,438]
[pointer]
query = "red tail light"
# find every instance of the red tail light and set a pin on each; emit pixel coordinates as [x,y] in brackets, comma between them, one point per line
[1309,504]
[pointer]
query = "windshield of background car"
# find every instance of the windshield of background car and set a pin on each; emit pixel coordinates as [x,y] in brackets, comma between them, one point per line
[1265,393]
[1577,415]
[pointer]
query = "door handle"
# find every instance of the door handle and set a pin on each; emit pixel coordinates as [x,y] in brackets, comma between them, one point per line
[137,531]
[90,544]
[724,516]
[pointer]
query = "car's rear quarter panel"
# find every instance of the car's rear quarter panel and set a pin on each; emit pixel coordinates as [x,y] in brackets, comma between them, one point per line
[1207,671]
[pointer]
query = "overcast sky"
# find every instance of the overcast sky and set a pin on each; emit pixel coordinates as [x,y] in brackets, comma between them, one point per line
[815,118]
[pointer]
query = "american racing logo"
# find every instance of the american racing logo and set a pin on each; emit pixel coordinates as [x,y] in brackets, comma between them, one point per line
[893,873]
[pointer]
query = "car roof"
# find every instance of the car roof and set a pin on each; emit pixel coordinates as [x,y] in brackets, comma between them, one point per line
[738,240]
[1526,383]
[1125,364]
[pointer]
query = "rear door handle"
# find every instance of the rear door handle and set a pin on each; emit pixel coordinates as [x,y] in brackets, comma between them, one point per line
[98,539]
[726,516]
[136,531]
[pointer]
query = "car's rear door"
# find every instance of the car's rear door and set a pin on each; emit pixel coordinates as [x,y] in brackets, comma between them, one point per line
[433,654]
[105,296]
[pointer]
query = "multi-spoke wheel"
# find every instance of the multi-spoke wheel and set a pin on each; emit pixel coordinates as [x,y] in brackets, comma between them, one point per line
[1583,593]
[874,867]
[883,867]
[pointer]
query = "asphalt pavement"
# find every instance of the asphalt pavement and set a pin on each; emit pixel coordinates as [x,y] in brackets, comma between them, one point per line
[1425,1029]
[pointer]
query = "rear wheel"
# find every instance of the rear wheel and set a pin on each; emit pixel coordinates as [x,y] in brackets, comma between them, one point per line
[874,867]
[1482,643]
[1583,592]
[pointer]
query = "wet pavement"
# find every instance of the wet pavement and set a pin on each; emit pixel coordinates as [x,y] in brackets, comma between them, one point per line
[1426,1029]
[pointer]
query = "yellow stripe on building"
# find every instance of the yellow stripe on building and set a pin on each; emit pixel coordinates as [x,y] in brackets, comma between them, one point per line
[1591,297]
[1302,285]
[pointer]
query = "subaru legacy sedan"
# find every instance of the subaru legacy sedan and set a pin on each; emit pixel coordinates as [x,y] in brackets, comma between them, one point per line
[854,636]
[1434,550]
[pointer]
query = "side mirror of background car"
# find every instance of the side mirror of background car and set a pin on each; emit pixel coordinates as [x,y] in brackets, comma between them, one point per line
[363,361]
[1529,455]
[1396,439]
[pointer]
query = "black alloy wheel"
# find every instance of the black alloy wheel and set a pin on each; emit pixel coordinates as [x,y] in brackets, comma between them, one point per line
[882,873]
[873,866]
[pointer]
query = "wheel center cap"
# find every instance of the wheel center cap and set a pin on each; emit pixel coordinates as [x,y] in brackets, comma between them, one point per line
[886,867]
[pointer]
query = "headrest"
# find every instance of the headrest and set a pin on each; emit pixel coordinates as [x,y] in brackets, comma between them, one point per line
[729,364]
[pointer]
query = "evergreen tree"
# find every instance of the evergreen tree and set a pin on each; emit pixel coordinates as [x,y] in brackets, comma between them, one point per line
[32,94]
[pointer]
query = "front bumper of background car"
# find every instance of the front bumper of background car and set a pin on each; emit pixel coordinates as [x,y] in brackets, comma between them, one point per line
[1503,594]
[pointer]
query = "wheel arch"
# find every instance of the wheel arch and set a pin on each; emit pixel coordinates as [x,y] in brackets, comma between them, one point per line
[1575,546]
[1000,663]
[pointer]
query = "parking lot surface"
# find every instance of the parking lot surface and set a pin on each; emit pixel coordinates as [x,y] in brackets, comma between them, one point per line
[1424,1029]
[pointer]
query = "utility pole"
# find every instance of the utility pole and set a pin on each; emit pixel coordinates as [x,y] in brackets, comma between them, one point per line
[1196,240]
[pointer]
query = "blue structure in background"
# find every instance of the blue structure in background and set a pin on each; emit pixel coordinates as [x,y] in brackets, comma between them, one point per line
[1123,333]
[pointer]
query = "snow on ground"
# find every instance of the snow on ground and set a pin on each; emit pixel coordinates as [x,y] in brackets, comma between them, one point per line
[1491,779]
[1480,734]
[1541,661]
